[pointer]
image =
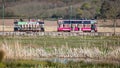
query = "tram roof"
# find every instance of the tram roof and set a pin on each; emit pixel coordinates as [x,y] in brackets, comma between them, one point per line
[24,23]
[78,21]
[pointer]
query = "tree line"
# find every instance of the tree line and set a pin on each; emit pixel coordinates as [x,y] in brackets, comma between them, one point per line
[72,9]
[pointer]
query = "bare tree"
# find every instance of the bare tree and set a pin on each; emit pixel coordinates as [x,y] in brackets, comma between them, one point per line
[110,9]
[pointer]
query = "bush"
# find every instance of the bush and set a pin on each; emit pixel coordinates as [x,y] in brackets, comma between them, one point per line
[86,6]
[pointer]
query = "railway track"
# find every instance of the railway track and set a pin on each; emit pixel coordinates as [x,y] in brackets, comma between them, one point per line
[10,33]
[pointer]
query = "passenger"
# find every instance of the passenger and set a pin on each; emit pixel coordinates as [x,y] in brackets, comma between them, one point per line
[28,21]
[32,21]
[21,20]
[76,27]
[15,21]
[83,25]
[63,25]
[42,22]
[93,27]
[38,21]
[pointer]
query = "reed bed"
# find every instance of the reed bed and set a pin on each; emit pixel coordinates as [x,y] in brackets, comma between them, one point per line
[18,52]
[61,47]
[100,49]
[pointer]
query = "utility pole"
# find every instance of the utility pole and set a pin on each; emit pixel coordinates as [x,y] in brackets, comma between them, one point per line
[70,13]
[55,10]
[3,13]
[55,6]
[71,10]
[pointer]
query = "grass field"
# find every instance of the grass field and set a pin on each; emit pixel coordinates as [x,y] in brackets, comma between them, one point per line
[49,41]
[104,48]
[48,64]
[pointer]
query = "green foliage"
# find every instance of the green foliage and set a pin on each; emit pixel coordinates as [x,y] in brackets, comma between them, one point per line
[86,6]
[30,63]
[94,1]
[79,12]
[48,64]
[2,65]
[82,64]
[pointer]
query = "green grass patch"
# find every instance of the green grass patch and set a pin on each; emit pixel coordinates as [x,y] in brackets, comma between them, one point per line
[73,41]
[49,64]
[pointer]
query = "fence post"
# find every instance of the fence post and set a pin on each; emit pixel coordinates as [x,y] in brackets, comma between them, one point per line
[3,5]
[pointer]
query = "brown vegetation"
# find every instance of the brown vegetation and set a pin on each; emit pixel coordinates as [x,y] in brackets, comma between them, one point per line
[29,52]
[2,54]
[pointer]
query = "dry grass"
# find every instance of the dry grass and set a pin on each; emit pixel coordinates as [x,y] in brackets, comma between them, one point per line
[17,51]
[58,47]
[51,28]
[7,28]
[108,29]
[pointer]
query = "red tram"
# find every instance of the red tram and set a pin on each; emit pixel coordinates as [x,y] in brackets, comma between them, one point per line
[77,25]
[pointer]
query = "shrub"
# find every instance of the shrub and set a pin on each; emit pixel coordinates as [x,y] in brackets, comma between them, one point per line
[86,6]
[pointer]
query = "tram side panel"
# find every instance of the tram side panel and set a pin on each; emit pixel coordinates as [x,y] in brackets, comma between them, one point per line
[22,26]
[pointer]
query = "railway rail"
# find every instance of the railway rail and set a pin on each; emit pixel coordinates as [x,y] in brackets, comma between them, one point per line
[10,33]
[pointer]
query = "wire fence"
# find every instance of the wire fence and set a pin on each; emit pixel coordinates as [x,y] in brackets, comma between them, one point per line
[61,33]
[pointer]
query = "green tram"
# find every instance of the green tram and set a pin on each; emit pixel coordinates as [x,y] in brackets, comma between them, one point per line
[34,26]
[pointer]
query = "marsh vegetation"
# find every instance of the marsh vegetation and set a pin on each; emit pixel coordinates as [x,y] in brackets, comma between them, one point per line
[104,50]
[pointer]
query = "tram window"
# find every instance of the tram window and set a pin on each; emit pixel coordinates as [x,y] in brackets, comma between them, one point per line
[78,22]
[66,25]
[86,22]
[88,25]
[66,22]
[41,22]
